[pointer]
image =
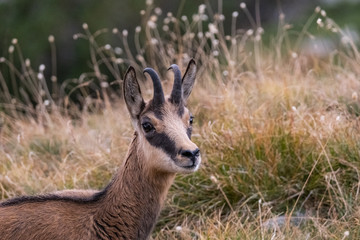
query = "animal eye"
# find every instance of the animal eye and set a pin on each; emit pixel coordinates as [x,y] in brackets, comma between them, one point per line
[191,120]
[147,127]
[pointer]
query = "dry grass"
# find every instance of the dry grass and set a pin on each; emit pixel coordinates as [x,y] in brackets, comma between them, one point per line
[278,130]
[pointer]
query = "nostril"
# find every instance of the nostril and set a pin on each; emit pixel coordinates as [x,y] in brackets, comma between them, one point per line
[190,154]
[186,153]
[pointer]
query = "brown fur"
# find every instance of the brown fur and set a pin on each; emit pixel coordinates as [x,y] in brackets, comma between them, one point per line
[129,206]
[128,209]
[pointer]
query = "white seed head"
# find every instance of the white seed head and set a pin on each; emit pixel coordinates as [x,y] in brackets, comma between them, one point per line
[228,37]
[41,67]
[260,30]
[235,14]
[125,33]
[354,96]
[118,51]
[27,62]
[138,29]
[178,228]
[149,2]
[153,18]
[202,8]
[46,102]
[40,76]
[212,28]
[293,108]
[53,78]
[85,26]
[338,118]
[166,20]
[207,34]
[225,73]
[323,13]
[107,47]
[14,41]
[294,55]
[204,17]
[249,32]
[322,118]
[75,36]
[169,14]
[242,5]
[317,9]
[346,233]
[184,18]
[195,17]
[2,59]
[11,49]
[165,28]
[200,34]
[221,17]
[215,42]
[154,41]
[215,53]
[142,12]
[115,30]
[158,11]
[51,39]
[319,22]
[151,24]
[104,84]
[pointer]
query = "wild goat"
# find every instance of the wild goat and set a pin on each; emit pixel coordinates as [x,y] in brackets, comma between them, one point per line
[129,206]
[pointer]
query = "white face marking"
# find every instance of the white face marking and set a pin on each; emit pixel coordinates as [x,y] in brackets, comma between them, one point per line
[168,147]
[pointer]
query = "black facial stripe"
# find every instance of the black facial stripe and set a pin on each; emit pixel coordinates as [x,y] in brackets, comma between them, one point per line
[164,142]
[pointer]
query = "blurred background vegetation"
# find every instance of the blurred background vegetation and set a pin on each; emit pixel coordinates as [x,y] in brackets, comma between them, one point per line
[31,22]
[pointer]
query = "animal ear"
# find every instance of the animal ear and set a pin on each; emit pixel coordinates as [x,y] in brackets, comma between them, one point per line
[189,79]
[132,94]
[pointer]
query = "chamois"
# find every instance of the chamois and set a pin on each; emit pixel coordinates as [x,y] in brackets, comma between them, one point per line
[130,204]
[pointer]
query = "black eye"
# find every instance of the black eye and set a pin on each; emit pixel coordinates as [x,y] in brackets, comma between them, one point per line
[191,120]
[147,127]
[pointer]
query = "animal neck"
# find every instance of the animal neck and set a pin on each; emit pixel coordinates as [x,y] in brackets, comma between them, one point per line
[134,198]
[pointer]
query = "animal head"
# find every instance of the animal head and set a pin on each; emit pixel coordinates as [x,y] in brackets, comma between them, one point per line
[164,123]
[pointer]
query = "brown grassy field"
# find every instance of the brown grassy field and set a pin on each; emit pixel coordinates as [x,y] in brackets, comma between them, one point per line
[278,129]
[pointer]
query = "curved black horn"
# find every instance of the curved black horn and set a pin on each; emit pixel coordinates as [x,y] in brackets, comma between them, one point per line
[158,98]
[176,94]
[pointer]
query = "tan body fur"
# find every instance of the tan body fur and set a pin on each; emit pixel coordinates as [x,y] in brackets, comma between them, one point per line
[65,219]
